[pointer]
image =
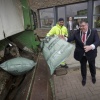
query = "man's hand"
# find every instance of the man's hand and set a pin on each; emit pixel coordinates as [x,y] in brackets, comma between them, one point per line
[61,37]
[87,48]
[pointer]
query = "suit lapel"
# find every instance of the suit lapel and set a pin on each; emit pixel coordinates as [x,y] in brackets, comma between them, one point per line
[88,34]
[80,34]
[87,37]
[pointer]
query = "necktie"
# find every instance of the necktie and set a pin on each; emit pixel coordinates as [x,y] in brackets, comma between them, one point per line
[83,38]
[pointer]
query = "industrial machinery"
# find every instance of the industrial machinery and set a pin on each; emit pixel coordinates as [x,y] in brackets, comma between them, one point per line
[17,24]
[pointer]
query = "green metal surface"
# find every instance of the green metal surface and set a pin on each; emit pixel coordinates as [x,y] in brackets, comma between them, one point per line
[27,15]
[28,39]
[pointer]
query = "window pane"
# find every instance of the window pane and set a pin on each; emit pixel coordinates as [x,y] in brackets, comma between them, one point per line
[46,17]
[76,9]
[96,16]
[61,12]
[97,7]
[78,12]
[47,22]
[96,21]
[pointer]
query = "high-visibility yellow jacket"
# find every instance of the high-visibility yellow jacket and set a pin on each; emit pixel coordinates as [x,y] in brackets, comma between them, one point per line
[58,30]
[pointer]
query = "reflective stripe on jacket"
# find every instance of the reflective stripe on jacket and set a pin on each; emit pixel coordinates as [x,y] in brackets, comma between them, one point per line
[58,30]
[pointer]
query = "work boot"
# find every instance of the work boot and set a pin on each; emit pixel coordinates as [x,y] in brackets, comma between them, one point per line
[64,66]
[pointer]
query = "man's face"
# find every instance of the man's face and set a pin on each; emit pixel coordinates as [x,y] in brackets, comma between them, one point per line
[84,27]
[61,23]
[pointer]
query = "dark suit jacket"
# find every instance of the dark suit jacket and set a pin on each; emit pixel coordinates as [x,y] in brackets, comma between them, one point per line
[79,50]
[73,26]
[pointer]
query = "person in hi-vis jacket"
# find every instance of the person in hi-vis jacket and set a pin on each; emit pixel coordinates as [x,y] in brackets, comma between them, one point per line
[60,30]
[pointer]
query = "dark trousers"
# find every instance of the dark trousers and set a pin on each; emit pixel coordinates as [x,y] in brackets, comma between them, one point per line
[92,67]
[70,33]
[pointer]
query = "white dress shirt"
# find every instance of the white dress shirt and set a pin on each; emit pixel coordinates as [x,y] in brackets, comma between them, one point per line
[70,25]
[93,46]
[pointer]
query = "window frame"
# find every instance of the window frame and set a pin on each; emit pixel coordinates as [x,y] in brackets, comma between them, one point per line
[90,15]
[44,18]
[95,15]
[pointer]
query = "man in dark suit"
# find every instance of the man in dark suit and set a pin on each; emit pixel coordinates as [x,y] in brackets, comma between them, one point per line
[87,41]
[70,26]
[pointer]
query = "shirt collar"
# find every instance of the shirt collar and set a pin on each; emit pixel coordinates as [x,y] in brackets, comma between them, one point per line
[85,32]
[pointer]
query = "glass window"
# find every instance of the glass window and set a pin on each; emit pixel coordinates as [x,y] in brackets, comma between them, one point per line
[78,12]
[46,18]
[96,14]
[61,12]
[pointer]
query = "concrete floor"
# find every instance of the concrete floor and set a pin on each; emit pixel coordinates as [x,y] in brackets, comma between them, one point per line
[69,87]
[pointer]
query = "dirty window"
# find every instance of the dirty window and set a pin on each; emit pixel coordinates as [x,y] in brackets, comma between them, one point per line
[78,12]
[46,18]
[96,14]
